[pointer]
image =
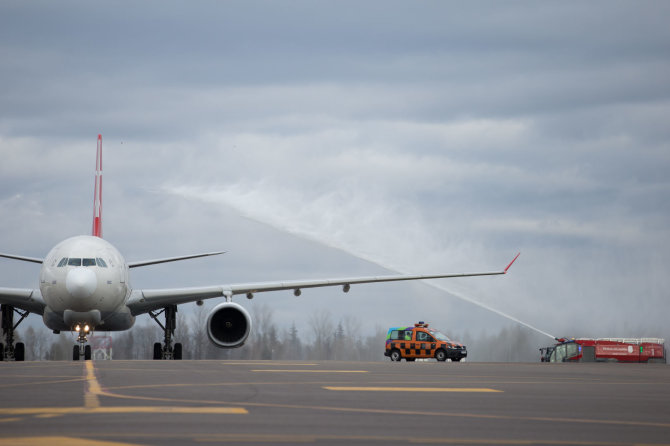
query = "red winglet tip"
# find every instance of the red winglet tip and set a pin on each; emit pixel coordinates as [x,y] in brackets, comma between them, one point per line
[510,263]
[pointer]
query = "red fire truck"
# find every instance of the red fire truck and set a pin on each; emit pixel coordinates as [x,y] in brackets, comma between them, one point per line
[605,350]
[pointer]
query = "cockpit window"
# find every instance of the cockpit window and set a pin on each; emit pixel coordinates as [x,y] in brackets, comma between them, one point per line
[72,261]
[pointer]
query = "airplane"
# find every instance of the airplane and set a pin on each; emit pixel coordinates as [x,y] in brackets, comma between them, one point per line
[84,287]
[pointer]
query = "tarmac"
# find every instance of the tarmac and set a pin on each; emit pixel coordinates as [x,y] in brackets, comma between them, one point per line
[330,402]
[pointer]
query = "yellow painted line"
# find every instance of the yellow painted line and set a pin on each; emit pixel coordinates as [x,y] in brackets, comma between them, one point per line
[270,363]
[91,400]
[49,415]
[58,441]
[39,365]
[92,406]
[128,369]
[383,439]
[36,383]
[415,389]
[9,420]
[310,371]
[54,411]
[39,376]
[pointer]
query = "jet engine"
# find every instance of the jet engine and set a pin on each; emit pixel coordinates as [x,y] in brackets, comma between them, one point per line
[228,325]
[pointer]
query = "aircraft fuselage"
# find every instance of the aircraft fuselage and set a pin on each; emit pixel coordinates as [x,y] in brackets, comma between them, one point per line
[84,280]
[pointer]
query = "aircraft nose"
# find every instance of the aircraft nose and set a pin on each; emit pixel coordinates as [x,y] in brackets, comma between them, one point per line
[81,282]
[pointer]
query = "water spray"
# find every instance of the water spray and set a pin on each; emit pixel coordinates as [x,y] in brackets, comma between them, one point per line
[306,234]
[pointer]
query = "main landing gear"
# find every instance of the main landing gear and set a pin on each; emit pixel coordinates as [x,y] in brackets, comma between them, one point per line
[8,350]
[166,350]
[81,349]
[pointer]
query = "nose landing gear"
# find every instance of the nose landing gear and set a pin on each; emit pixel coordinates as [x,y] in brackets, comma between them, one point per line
[81,349]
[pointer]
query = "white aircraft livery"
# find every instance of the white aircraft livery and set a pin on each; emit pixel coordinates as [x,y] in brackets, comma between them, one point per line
[84,287]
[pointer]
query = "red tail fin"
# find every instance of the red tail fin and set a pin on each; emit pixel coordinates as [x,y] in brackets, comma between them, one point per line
[97,194]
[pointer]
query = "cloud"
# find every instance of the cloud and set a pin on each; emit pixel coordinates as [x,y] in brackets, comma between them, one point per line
[423,137]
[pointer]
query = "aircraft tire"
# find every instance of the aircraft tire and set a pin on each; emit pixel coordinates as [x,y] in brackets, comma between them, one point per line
[176,353]
[75,353]
[158,351]
[87,353]
[20,351]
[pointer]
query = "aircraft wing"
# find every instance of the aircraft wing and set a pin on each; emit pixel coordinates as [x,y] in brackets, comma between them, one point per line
[26,299]
[22,258]
[143,301]
[171,259]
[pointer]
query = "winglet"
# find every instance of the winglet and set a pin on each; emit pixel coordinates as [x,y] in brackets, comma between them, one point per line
[510,263]
[97,193]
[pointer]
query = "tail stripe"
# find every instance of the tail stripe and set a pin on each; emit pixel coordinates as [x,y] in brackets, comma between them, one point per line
[97,194]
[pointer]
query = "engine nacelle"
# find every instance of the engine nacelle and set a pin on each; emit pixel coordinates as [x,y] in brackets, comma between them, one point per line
[228,325]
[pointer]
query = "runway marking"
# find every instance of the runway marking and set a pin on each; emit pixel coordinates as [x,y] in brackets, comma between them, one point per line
[56,411]
[39,364]
[92,403]
[92,406]
[309,371]
[270,363]
[9,420]
[317,438]
[35,383]
[414,389]
[49,415]
[157,409]
[216,384]
[215,406]
[58,441]
[91,400]
[38,376]
[407,412]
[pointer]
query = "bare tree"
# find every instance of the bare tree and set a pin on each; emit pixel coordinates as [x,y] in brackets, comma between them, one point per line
[199,333]
[148,333]
[322,331]
[340,349]
[123,344]
[182,334]
[29,342]
[36,342]
[372,348]
[260,342]
[61,348]
[291,345]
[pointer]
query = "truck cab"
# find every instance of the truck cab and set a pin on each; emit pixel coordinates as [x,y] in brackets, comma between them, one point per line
[421,341]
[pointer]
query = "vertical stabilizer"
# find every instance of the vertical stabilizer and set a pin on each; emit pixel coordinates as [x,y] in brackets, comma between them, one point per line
[97,194]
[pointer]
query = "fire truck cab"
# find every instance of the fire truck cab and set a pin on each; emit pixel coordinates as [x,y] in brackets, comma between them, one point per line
[605,350]
[420,341]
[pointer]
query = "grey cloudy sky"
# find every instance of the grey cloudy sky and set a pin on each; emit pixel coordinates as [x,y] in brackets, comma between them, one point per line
[310,138]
